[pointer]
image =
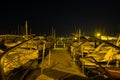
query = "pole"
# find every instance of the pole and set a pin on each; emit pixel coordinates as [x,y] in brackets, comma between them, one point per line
[49,57]
[82,57]
[26,28]
[43,54]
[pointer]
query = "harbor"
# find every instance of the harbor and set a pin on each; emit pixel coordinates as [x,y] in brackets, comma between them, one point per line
[60,40]
[58,58]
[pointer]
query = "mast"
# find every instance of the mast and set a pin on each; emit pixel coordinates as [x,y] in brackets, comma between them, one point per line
[53,33]
[79,35]
[26,28]
[18,30]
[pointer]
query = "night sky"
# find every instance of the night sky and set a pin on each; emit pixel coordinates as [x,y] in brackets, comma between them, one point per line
[64,16]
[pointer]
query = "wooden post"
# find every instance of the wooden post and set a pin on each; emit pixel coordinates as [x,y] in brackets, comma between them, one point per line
[54,45]
[64,45]
[117,63]
[82,54]
[43,55]
[49,57]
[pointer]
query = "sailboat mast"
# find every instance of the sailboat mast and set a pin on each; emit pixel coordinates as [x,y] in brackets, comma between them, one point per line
[26,28]
[18,30]
[79,35]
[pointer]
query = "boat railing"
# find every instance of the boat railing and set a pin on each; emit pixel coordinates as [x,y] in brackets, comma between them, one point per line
[100,66]
[106,42]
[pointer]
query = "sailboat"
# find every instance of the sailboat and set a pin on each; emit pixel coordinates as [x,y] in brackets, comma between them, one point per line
[112,54]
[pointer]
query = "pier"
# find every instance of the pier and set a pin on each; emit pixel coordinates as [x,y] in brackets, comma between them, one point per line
[49,59]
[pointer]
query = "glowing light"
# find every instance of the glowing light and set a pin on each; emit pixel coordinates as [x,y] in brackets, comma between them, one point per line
[98,34]
[75,38]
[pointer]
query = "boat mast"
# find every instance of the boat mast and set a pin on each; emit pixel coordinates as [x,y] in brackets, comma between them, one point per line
[18,30]
[26,28]
[79,35]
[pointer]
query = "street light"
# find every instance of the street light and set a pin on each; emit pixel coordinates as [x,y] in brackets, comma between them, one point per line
[98,34]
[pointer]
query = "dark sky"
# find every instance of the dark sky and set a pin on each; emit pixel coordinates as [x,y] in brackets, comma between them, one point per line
[64,16]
